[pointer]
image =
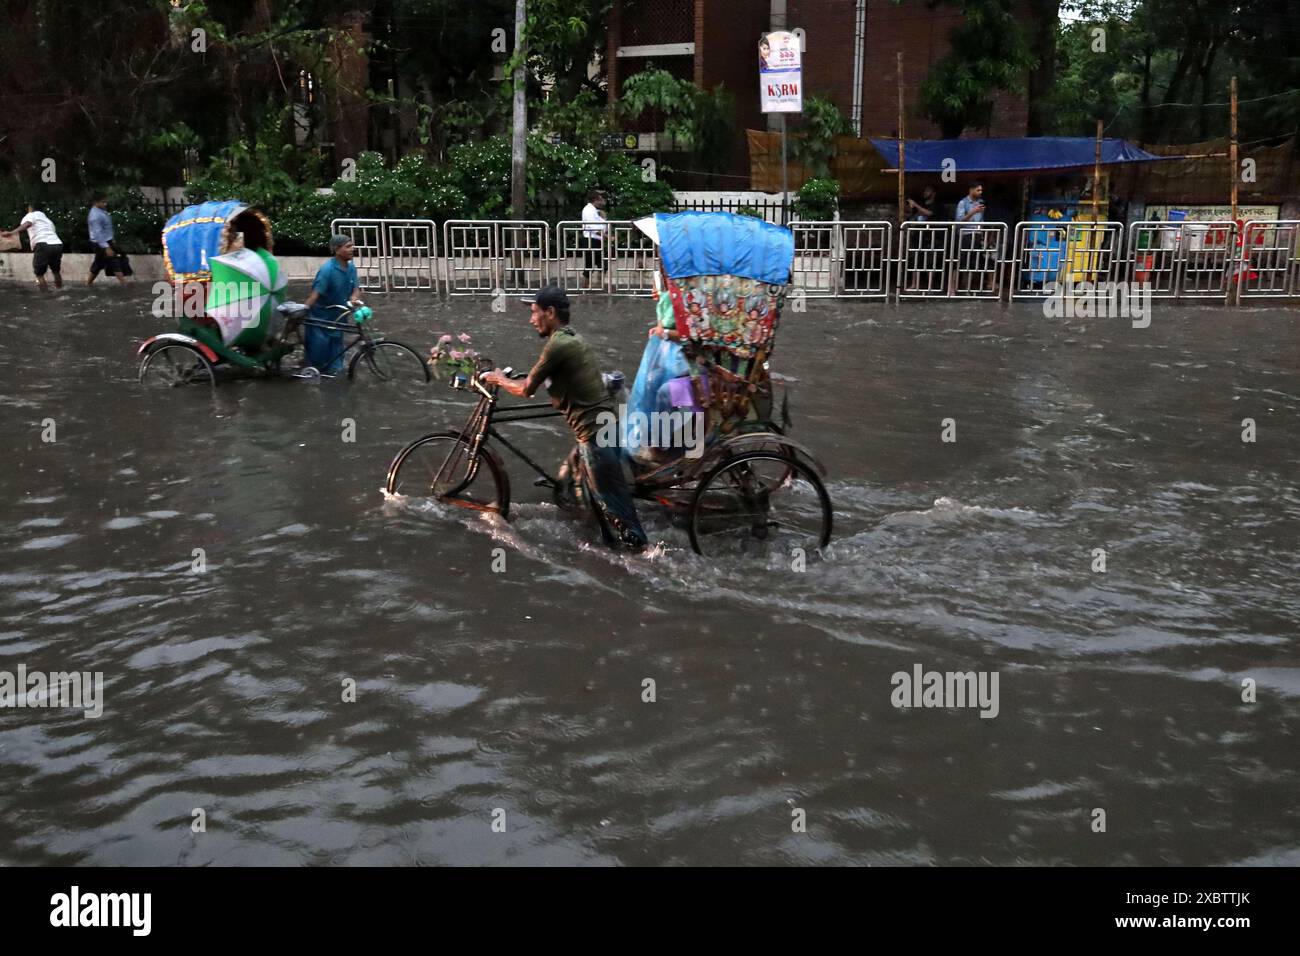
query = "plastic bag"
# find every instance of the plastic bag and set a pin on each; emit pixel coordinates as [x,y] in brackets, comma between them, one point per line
[662,361]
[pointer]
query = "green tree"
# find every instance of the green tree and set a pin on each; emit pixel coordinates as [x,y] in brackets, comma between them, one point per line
[702,120]
[990,52]
[814,147]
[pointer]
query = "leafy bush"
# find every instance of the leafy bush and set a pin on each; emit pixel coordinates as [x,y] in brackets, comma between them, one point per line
[560,177]
[815,146]
[413,189]
[475,184]
[582,121]
[817,200]
[137,223]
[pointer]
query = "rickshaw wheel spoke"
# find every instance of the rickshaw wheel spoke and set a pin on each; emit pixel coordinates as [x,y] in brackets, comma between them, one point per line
[390,363]
[760,502]
[174,366]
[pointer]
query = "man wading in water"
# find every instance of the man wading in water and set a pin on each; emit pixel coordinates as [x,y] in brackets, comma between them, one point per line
[573,381]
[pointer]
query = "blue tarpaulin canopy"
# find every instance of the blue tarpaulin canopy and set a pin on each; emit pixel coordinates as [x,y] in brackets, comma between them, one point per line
[720,243]
[1011,155]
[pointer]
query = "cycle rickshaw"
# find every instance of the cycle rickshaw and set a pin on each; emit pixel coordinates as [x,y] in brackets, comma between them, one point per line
[750,489]
[227,290]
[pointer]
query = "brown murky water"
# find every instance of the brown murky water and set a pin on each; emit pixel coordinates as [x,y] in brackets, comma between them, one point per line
[522,690]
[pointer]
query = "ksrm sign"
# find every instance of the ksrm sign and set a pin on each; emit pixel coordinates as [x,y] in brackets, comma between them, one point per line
[780,73]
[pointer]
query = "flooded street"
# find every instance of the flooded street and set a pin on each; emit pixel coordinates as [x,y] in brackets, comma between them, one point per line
[522,690]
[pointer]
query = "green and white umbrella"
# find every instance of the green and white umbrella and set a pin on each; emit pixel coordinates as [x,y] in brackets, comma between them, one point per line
[246,287]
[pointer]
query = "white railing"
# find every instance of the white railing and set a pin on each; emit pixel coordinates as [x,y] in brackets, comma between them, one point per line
[1182,260]
[367,237]
[392,254]
[1269,266]
[951,260]
[848,259]
[866,259]
[1064,258]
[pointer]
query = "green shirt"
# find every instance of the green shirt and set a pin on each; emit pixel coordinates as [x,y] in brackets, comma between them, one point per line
[568,369]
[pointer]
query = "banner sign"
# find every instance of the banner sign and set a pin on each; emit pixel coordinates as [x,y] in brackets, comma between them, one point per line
[1211,213]
[780,73]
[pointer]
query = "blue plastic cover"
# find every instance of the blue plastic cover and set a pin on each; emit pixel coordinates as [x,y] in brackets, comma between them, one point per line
[662,361]
[1023,154]
[192,237]
[720,243]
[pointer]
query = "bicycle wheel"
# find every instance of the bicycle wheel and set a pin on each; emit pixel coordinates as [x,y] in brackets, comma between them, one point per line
[760,503]
[391,363]
[174,366]
[441,466]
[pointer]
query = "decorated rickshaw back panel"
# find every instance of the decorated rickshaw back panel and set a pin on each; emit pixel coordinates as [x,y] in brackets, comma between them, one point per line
[726,311]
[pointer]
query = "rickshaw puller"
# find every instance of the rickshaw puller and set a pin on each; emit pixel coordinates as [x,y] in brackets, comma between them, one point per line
[574,384]
[335,284]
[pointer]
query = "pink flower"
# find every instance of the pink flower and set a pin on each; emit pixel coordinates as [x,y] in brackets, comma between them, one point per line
[443,339]
[464,336]
[457,356]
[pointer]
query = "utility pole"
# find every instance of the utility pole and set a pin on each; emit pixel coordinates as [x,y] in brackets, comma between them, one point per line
[785,180]
[519,141]
[902,137]
[1233,150]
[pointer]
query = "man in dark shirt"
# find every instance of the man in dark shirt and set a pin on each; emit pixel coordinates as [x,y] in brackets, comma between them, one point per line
[574,384]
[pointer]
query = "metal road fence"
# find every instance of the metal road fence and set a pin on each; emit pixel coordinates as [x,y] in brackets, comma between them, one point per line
[392,254]
[1194,261]
[1270,260]
[1064,258]
[951,260]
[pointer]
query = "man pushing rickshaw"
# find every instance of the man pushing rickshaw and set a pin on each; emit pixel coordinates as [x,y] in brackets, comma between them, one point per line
[749,488]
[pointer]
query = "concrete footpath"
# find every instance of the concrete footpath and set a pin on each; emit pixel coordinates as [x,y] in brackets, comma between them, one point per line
[17,267]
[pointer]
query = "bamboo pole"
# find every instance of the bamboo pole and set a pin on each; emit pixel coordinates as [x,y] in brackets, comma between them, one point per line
[1233,149]
[1096,174]
[902,137]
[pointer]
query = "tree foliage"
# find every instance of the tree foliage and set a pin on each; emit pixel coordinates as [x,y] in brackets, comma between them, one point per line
[814,147]
[989,52]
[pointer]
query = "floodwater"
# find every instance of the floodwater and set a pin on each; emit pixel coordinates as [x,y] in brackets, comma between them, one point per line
[522,690]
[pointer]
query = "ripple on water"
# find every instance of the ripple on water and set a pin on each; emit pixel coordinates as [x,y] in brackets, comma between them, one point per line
[49,542]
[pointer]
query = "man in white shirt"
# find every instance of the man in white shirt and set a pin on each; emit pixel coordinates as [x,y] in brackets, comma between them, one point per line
[593,237]
[47,247]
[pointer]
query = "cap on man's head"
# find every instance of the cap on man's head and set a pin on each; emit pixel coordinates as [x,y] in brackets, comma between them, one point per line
[338,241]
[549,296]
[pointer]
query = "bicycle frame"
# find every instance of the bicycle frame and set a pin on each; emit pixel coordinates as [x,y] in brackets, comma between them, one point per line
[358,331]
[480,426]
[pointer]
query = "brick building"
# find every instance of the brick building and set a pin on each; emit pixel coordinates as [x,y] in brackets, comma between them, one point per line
[849,55]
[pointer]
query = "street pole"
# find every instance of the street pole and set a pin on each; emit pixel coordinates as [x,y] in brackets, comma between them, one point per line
[1233,150]
[518,140]
[902,136]
[785,180]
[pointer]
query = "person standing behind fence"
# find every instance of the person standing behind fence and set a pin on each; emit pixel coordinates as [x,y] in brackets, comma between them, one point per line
[47,247]
[971,242]
[593,237]
[921,253]
[100,226]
